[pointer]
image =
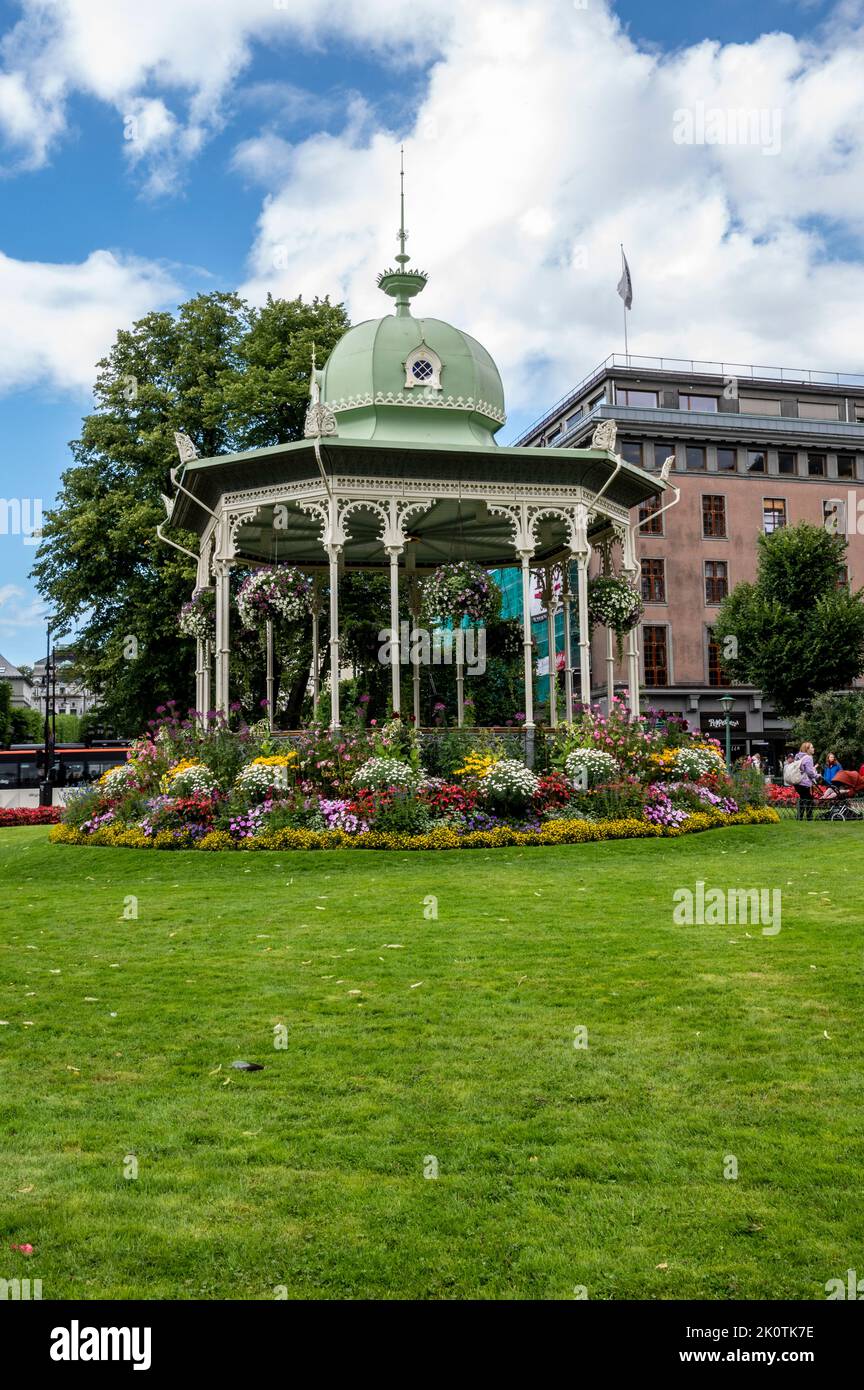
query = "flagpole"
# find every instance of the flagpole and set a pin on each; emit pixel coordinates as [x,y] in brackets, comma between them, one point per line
[626,347]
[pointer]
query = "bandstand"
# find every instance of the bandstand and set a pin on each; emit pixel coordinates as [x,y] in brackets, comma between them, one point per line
[400,472]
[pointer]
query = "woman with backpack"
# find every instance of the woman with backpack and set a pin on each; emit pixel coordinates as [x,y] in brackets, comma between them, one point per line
[802,775]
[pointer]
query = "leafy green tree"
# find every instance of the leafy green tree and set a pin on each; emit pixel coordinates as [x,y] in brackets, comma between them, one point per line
[27,725]
[834,723]
[794,633]
[5,712]
[230,376]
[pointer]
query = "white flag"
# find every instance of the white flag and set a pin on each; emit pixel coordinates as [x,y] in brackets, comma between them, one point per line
[625,284]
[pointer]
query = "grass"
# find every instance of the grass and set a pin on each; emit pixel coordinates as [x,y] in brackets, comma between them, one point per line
[558,1166]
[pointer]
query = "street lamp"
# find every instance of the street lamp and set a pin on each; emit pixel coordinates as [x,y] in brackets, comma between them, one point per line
[727,701]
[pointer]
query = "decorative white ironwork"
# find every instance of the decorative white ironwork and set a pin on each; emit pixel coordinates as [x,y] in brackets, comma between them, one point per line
[605,435]
[434,402]
[320,420]
[185,447]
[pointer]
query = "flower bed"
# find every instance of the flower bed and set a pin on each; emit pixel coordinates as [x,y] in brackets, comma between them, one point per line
[602,778]
[561,832]
[29,815]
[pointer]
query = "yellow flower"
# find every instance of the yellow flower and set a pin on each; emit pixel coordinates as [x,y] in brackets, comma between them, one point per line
[476,765]
[277,760]
[182,766]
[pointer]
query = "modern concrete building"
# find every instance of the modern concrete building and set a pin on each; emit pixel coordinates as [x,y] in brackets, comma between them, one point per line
[755,448]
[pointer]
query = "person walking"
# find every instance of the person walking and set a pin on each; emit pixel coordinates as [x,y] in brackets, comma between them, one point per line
[831,768]
[807,781]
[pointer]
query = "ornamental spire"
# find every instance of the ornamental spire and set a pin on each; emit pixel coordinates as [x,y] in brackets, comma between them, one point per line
[402,284]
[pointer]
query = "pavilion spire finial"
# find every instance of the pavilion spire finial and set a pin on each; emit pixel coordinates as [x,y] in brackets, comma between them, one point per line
[402,258]
[402,284]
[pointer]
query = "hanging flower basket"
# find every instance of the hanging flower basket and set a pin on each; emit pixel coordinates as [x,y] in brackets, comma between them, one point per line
[460,590]
[197,618]
[280,595]
[615,604]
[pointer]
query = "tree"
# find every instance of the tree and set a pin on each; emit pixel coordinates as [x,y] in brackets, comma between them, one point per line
[230,376]
[27,725]
[834,723]
[5,712]
[795,632]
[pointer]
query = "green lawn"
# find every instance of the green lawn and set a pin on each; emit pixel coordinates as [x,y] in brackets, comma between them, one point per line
[558,1166]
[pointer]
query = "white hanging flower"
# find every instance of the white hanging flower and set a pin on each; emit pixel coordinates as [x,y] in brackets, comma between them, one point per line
[282,594]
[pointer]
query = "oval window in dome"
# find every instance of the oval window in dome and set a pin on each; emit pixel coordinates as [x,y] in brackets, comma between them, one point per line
[423,368]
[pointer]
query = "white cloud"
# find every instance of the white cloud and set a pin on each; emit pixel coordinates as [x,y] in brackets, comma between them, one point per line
[65,317]
[546,138]
[193,51]
[20,612]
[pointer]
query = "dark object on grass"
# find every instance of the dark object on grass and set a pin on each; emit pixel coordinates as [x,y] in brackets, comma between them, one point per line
[247,1066]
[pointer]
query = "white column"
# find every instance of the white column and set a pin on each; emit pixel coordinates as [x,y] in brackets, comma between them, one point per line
[630,569]
[415,666]
[552,650]
[459,644]
[633,668]
[205,684]
[316,647]
[271,678]
[610,669]
[568,653]
[333,552]
[200,667]
[583,558]
[394,552]
[223,635]
[527,649]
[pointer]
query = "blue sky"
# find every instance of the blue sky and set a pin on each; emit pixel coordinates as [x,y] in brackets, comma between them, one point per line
[279,130]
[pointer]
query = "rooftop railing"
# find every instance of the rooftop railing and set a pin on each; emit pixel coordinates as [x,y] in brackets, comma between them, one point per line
[694,366]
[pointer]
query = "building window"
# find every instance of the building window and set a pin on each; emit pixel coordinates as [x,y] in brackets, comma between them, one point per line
[716,674]
[756,461]
[727,460]
[759,405]
[773,514]
[598,400]
[625,396]
[845,465]
[631,451]
[816,465]
[571,419]
[662,452]
[714,517]
[787,462]
[686,401]
[859,414]
[695,458]
[653,581]
[842,576]
[716,581]
[656,657]
[650,524]
[819,410]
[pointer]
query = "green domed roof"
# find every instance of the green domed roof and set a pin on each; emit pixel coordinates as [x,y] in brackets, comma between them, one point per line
[403,378]
[400,377]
